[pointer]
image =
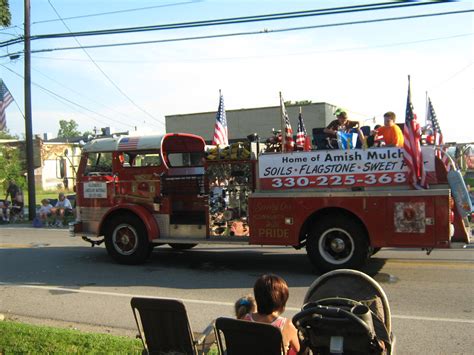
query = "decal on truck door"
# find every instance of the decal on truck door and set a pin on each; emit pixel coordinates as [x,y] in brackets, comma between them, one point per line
[95,189]
[410,217]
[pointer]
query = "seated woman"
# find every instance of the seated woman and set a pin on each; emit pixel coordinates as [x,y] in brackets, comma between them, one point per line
[271,293]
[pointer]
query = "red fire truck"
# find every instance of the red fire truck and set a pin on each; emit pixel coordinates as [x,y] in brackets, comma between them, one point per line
[136,193]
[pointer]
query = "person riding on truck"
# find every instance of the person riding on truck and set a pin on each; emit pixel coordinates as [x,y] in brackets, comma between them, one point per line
[390,133]
[342,123]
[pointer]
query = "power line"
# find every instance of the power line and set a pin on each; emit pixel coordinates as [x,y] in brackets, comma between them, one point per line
[104,73]
[233,20]
[235,34]
[57,96]
[81,95]
[393,44]
[118,11]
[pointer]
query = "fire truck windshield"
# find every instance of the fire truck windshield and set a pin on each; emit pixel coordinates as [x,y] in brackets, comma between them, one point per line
[185,159]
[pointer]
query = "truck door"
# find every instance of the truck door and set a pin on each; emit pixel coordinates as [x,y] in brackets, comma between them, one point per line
[95,188]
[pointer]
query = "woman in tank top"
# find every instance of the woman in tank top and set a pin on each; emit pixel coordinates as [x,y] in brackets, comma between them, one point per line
[271,293]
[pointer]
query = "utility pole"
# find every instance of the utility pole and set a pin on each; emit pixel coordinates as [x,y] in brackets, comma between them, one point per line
[29,119]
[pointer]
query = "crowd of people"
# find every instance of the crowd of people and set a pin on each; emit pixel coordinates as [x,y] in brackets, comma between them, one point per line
[53,216]
[11,208]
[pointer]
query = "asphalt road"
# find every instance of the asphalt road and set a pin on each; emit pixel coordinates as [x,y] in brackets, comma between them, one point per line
[48,278]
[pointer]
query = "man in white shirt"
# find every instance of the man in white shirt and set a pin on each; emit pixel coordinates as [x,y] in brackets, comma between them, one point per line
[62,207]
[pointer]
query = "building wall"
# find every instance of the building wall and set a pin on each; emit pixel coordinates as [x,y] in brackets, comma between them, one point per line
[243,122]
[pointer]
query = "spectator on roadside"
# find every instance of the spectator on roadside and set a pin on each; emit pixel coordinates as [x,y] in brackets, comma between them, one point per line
[244,305]
[63,207]
[4,211]
[16,197]
[12,190]
[271,293]
[44,212]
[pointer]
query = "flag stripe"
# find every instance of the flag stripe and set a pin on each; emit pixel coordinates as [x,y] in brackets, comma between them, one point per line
[289,143]
[5,100]
[433,124]
[412,155]
[302,140]
[128,143]
[220,129]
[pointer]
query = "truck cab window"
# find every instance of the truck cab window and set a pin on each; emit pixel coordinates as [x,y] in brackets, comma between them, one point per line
[142,159]
[99,164]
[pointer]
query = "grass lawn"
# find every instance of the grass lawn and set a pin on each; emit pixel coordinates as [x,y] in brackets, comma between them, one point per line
[25,338]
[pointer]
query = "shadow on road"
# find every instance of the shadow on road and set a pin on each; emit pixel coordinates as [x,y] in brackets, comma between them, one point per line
[200,268]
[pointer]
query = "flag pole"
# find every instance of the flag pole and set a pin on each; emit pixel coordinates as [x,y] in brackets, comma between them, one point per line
[283,138]
[426,108]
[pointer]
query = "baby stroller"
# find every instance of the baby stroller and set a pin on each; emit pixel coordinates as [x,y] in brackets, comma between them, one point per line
[345,312]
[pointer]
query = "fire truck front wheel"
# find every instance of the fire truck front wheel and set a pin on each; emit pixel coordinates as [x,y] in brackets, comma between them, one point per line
[126,240]
[337,243]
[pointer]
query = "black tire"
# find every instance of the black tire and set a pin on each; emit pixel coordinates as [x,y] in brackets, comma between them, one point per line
[182,246]
[337,242]
[126,240]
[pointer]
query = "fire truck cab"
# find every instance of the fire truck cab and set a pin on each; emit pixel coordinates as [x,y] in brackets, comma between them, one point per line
[136,193]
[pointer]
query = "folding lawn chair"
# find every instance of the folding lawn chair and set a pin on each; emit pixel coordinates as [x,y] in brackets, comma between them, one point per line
[237,337]
[164,327]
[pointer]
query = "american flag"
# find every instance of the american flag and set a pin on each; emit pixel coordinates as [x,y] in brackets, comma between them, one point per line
[411,145]
[128,143]
[220,129]
[288,143]
[438,135]
[302,140]
[5,100]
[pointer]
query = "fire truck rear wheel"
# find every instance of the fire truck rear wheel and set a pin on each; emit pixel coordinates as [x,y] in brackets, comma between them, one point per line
[126,240]
[182,246]
[337,242]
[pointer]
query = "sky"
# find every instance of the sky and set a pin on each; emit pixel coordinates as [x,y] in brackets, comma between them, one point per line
[361,67]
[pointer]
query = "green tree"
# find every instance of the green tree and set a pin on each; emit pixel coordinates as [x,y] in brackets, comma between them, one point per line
[11,166]
[5,134]
[5,16]
[68,129]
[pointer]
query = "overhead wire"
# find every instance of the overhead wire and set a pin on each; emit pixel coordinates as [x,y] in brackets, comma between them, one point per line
[109,79]
[60,97]
[393,44]
[80,94]
[119,11]
[232,20]
[247,33]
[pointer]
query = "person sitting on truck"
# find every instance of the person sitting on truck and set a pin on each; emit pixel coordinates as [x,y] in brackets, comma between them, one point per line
[63,207]
[391,133]
[271,293]
[342,123]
